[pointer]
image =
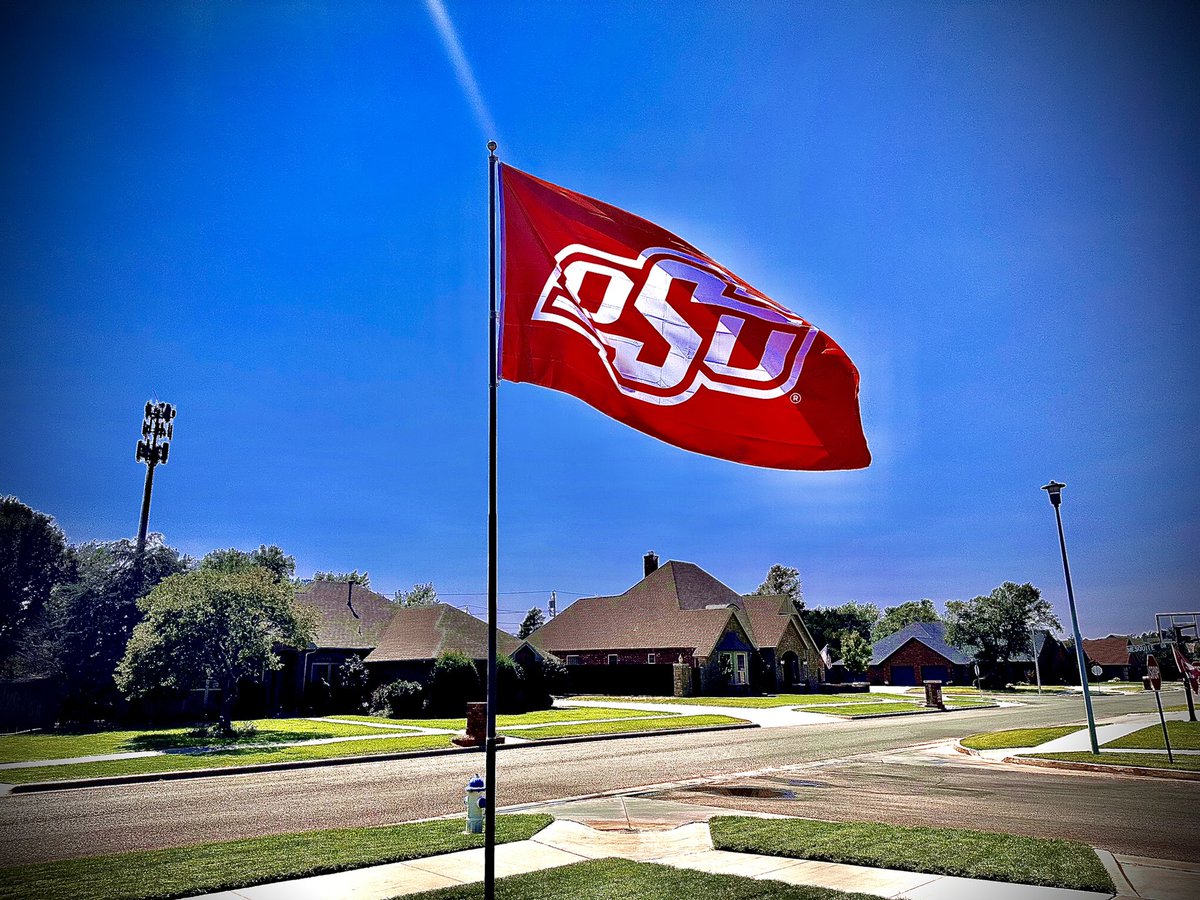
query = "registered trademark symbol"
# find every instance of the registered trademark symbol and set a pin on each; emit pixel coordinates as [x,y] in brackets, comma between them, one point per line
[795,398]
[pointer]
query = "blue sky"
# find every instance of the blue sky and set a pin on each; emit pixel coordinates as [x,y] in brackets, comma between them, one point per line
[274,216]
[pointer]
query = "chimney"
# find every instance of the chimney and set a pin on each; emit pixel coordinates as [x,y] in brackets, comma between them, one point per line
[649,563]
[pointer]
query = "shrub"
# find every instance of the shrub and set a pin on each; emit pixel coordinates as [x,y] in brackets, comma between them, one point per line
[350,691]
[510,684]
[398,700]
[544,678]
[454,682]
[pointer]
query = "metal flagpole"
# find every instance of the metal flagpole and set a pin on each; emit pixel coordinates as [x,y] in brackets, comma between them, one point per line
[489,813]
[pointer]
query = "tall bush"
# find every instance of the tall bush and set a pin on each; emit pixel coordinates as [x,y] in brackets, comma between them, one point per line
[398,700]
[454,682]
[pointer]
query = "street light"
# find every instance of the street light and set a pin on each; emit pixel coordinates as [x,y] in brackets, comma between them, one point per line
[1054,489]
[158,428]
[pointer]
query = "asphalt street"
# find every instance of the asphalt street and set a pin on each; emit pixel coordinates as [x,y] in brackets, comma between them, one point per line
[85,822]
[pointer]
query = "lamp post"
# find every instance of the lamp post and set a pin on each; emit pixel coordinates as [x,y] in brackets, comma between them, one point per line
[158,428]
[1054,489]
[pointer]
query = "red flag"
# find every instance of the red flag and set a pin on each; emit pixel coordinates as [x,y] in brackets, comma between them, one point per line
[1188,670]
[624,315]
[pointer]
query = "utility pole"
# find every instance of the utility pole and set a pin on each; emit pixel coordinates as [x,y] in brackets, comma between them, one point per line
[158,428]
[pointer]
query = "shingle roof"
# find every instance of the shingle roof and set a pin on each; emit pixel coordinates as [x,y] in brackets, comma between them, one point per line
[1109,651]
[677,605]
[931,634]
[350,617]
[1040,636]
[769,616]
[425,632]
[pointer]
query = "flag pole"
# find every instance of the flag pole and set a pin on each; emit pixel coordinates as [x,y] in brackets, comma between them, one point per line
[489,813]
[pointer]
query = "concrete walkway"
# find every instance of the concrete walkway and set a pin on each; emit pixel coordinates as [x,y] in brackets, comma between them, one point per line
[676,834]
[772,717]
[1079,741]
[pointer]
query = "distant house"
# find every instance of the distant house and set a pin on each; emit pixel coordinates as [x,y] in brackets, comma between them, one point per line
[350,620]
[916,654]
[1112,655]
[1054,662]
[416,636]
[678,613]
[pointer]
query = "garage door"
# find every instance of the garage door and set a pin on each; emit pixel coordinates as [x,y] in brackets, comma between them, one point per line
[934,673]
[903,675]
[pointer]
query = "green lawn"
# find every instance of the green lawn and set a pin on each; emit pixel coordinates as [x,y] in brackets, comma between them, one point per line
[622,879]
[669,723]
[1017,737]
[538,717]
[220,758]
[941,851]
[748,702]
[65,744]
[867,709]
[1145,760]
[1184,736]
[209,868]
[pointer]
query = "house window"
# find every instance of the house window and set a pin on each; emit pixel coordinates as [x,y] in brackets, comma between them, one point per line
[321,671]
[613,659]
[651,658]
[572,660]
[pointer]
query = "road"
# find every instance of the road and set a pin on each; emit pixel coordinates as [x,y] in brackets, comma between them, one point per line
[76,823]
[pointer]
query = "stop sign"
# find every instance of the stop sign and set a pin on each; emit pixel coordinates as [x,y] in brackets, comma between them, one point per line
[1154,672]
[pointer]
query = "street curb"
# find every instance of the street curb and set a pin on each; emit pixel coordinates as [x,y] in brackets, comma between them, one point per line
[919,712]
[1101,768]
[39,787]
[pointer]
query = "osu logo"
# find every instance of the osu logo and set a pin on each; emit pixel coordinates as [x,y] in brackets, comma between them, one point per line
[667,322]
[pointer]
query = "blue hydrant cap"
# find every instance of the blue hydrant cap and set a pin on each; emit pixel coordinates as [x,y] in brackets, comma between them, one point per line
[475,784]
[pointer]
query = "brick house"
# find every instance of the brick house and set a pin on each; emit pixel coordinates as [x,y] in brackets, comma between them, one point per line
[1055,662]
[1112,655]
[677,614]
[790,657]
[916,654]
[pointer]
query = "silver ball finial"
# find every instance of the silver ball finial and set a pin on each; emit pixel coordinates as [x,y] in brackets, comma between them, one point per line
[492,146]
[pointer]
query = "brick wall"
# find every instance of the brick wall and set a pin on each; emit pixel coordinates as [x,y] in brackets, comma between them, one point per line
[663,655]
[914,654]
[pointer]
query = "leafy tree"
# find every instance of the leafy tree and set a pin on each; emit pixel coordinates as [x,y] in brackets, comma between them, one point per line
[34,557]
[899,617]
[355,577]
[420,595]
[212,625]
[783,579]
[856,652]
[995,628]
[90,619]
[828,624]
[532,622]
[281,566]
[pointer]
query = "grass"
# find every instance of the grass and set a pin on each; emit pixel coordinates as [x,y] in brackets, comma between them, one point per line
[1145,760]
[613,879]
[746,702]
[220,759]
[1184,736]
[538,717]
[670,723]
[1017,737]
[208,868]
[66,744]
[867,709]
[940,851]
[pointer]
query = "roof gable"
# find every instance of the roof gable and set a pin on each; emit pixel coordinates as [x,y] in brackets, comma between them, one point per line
[426,632]
[1108,651]
[931,634]
[349,616]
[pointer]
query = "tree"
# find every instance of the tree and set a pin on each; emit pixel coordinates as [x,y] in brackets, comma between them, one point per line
[89,619]
[209,625]
[856,652]
[532,622]
[896,618]
[420,595]
[34,557]
[995,628]
[355,577]
[826,625]
[281,566]
[453,682]
[783,579]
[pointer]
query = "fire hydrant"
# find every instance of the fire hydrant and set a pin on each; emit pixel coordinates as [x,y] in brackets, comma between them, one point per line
[476,803]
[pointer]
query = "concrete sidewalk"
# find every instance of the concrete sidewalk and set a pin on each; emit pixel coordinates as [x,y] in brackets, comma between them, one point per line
[1079,741]
[676,834]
